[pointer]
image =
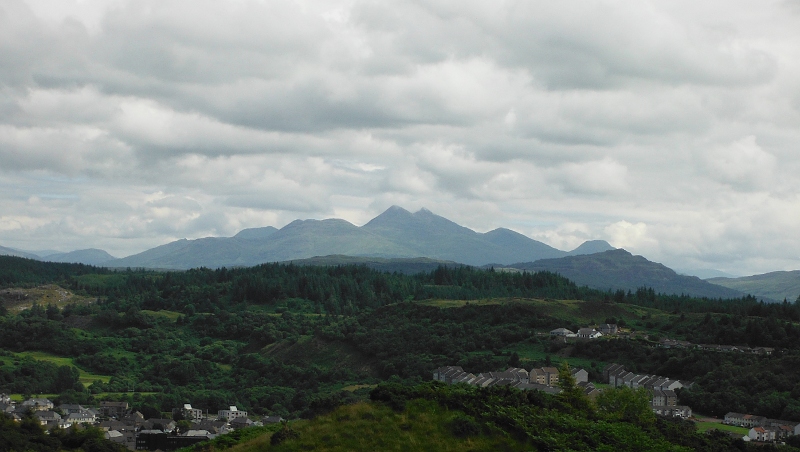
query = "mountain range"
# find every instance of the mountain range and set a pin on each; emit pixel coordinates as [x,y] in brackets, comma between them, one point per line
[396,233]
[398,240]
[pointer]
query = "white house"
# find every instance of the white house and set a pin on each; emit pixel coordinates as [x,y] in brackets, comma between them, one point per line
[231,413]
[589,333]
[761,434]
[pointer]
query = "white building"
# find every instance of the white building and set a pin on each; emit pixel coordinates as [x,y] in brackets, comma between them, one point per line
[231,413]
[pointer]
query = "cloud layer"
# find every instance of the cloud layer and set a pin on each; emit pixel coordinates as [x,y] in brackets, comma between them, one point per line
[669,129]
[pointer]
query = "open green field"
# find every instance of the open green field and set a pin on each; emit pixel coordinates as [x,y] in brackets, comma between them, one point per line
[706,426]
[171,315]
[87,378]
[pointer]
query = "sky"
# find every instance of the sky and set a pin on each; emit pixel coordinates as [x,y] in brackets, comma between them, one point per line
[670,129]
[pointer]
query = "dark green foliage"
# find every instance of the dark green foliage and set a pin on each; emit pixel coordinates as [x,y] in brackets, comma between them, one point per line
[215,353]
[547,423]
[36,377]
[464,426]
[29,435]
[284,434]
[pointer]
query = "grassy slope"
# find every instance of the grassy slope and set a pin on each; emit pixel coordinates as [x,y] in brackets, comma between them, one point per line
[87,378]
[367,426]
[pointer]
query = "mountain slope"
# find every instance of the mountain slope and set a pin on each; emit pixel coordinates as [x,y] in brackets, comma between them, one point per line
[591,247]
[436,237]
[619,269]
[90,256]
[12,252]
[775,285]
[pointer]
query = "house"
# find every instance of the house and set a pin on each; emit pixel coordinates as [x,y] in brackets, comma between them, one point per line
[5,398]
[165,425]
[189,413]
[608,328]
[673,411]
[745,420]
[580,375]
[611,368]
[446,374]
[523,374]
[231,413]
[544,376]
[589,389]
[670,398]
[588,333]
[272,420]
[38,404]
[562,332]
[68,408]
[215,427]
[135,419]
[241,422]
[113,425]
[47,417]
[763,434]
[113,409]
[639,380]
[81,417]
[657,398]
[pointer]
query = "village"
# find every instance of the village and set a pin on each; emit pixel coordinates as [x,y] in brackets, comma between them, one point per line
[664,399]
[188,425]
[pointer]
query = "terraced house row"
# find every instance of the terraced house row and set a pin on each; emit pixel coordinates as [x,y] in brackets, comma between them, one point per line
[542,379]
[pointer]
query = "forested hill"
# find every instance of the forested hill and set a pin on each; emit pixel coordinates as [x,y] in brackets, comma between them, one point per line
[288,339]
[619,269]
[330,289]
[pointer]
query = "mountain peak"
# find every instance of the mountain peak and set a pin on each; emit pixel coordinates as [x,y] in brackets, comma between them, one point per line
[591,247]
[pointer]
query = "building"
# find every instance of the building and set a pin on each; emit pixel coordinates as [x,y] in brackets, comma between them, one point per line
[547,376]
[189,413]
[562,332]
[588,333]
[38,404]
[763,434]
[681,411]
[113,409]
[231,413]
[608,328]
[580,375]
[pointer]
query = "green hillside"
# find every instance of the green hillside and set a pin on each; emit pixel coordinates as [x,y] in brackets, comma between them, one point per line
[774,285]
[296,341]
[437,417]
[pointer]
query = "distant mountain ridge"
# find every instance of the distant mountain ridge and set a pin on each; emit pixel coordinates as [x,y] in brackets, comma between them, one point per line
[91,256]
[16,253]
[778,285]
[395,233]
[619,269]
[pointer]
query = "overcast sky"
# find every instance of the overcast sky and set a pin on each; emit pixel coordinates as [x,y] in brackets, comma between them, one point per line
[668,128]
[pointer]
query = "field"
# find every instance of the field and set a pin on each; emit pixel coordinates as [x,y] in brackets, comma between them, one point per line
[703,427]
[86,378]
